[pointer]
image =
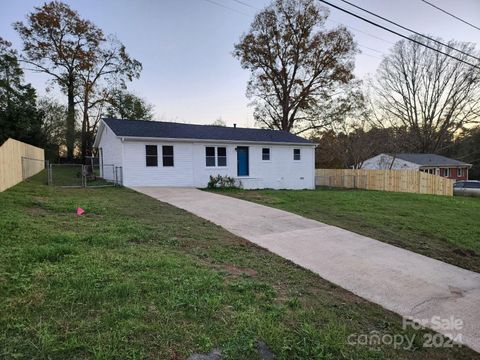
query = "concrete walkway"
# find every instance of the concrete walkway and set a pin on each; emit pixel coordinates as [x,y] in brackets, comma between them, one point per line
[399,280]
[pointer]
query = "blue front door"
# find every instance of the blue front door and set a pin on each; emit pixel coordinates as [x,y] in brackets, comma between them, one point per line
[242,160]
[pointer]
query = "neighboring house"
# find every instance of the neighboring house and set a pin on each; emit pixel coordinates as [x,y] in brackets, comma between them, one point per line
[429,163]
[154,153]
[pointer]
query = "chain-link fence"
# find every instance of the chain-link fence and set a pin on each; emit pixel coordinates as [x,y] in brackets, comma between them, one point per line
[66,175]
[78,175]
[100,176]
[343,181]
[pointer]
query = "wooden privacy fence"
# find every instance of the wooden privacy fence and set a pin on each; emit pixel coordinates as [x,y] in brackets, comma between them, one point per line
[19,161]
[385,180]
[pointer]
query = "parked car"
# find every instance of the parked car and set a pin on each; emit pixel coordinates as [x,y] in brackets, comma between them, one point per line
[467,188]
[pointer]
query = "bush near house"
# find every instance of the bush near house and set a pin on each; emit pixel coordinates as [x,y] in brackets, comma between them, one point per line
[223,182]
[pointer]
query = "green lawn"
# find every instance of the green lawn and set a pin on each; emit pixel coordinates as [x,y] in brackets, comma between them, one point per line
[70,175]
[445,228]
[137,278]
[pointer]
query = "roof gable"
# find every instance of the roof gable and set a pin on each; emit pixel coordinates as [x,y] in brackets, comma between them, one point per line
[166,130]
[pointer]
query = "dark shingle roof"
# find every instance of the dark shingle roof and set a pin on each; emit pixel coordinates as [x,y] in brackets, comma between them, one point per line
[430,160]
[160,129]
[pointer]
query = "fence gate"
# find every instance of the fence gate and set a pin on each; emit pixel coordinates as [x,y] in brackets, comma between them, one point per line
[78,175]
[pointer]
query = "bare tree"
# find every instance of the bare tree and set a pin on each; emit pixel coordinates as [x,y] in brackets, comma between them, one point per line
[351,147]
[425,95]
[110,66]
[301,72]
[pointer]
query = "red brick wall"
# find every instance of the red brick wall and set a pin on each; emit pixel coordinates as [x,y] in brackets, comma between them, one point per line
[454,173]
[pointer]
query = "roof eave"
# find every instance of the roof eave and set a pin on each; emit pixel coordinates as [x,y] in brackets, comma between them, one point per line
[447,165]
[141,138]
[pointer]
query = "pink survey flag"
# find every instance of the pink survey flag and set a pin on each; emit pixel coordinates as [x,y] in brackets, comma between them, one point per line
[80,211]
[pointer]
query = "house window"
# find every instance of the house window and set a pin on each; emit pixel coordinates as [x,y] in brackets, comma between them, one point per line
[215,158]
[210,156]
[151,155]
[167,155]
[265,154]
[459,172]
[221,156]
[296,154]
[446,172]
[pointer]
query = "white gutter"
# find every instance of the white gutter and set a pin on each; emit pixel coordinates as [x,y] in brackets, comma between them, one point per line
[99,134]
[136,138]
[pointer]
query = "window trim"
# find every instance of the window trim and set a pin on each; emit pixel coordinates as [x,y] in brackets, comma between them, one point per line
[223,156]
[216,157]
[460,172]
[168,156]
[446,172]
[269,154]
[210,157]
[147,156]
[299,154]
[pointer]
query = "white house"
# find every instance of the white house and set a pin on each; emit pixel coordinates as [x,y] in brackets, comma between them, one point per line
[154,153]
[429,163]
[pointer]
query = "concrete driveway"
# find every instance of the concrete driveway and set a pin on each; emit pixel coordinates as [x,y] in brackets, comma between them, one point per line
[399,280]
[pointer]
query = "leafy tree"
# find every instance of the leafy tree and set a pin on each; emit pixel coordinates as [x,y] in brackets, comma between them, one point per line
[219,122]
[466,147]
[126,105]
[58,42]
[427,95]
[301,73]
[330,151]
[52,131]
[19,118]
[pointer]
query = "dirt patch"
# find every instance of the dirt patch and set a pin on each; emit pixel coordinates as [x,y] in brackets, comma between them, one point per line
[237,271]
[36,211]
[265,199]
[31,300]
[215,354]
[465,252]
[283,292]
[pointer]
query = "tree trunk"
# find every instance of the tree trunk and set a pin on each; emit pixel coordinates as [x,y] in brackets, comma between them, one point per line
[394,157]
[70,120]
[84,124]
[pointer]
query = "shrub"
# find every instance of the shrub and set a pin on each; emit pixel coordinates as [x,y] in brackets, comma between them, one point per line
[223,182]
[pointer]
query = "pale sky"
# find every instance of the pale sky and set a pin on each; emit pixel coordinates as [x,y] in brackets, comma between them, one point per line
[185,46]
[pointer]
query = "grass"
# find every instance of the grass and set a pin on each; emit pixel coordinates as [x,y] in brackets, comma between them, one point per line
[441,227]
[137,278]
[70,175]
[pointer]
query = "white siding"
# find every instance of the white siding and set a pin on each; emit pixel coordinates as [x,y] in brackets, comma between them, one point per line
[281,172]
[137,173]
[384,161]
[111,152]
